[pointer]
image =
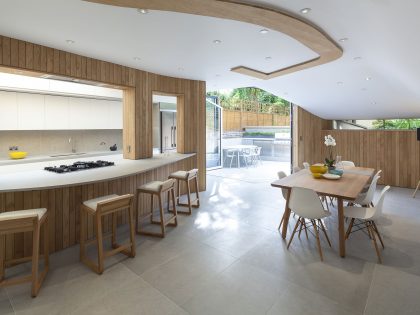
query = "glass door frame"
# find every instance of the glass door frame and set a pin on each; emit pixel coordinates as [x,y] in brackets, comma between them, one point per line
[220,134]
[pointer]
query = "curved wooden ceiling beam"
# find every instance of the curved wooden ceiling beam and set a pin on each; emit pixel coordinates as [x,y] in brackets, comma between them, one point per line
[307,34]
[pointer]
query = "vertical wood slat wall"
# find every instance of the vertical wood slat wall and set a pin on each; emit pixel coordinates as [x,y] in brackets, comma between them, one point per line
[64,203]
[395,152]
[138,89]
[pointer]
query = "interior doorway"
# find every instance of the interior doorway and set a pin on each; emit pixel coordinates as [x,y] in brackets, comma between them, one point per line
[164,123]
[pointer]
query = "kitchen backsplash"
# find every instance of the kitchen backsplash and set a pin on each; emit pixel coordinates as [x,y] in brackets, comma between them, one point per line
[57,141]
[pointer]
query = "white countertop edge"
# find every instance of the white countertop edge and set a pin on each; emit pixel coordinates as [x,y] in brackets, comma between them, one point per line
[32,176]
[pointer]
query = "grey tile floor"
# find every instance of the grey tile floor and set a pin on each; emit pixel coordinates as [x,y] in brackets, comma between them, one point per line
[228,258]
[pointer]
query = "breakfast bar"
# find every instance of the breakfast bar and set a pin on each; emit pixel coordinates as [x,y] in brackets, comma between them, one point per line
[28,186]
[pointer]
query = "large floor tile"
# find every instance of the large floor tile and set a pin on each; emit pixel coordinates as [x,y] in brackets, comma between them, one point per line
[393,292]
[181,277]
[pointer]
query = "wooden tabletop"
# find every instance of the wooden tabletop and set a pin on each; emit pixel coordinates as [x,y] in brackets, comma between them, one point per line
[347,187]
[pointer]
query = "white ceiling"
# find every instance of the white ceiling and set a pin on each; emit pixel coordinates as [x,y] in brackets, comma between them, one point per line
[382,32]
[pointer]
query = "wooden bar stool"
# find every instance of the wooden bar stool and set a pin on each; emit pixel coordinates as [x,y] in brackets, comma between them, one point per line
[158,188]
[24,221]
[100,207]
[184,176]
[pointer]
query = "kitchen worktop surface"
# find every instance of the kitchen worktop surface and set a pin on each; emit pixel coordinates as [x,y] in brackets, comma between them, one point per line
[32,176]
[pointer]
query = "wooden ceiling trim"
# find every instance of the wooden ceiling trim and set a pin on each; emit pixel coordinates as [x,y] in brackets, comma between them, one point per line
[302,31]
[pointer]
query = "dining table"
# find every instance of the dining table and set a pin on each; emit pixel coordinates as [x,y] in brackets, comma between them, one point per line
[239,148]
[346,188]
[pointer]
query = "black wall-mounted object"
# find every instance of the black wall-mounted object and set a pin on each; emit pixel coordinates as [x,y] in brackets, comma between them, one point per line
[418,134]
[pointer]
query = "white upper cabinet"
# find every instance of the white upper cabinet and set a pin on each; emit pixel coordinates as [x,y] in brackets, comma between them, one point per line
[31,111]
[56,112]
[8,111]
[26,111]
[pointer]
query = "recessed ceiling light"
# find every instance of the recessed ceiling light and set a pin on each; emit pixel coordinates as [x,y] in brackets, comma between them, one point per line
[180,69]
[137,58]
[268,58]
[305,10]
[143,11]
[368,78]
[264,31]
[357,58]
[344,39]
[70,41]
[340,82]
[373,103]
[217,41]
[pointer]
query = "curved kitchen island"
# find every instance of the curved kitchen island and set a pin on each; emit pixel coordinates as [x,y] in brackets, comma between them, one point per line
[27,186]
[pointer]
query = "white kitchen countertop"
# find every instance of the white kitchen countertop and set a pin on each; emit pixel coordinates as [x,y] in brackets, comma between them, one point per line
[32,176]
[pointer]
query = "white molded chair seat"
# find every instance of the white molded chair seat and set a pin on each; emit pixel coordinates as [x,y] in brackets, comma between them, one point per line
[362,213]
[366,199]
[20,214]
[93,203]
[307,205]
[367,215]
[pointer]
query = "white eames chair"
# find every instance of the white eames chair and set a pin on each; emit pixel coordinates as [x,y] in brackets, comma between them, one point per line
[348,163]
[306,165]
[367,217]
[307,205]
[366,200]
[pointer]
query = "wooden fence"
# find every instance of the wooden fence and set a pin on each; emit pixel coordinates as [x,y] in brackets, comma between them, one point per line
[237,120]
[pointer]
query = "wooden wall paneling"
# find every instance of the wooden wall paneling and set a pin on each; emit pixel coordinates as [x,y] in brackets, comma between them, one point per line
[6,51]
[14,52]
[37,57]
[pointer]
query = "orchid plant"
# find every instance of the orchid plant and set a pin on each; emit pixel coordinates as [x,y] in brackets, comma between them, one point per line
[330,143]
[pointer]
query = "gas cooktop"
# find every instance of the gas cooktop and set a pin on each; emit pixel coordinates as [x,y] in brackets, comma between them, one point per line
[78,166]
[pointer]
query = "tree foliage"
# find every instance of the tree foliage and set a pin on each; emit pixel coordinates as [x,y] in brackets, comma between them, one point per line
[252,99]
[396,123]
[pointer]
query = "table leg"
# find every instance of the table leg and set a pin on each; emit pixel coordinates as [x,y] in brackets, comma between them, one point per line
[286,216]
[341,235]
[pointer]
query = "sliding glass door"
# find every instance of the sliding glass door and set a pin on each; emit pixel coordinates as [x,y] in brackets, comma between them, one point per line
[213,135]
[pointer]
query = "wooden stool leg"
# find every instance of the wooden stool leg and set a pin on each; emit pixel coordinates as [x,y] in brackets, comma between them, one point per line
[189,196]
[151,208]
[2,255]
[178,184]
[99,240]
[174,209]
[114,230]
[162,216]
[137,212]
[132,234]
[35,259]
[46,245]
[168,201]
[196,191]
[82,233]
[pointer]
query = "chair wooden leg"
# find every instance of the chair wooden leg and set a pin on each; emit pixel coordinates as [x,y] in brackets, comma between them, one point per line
[300,229]
[99,239]
[35,260]
[317,239]
[162,216]
[306,228]
[2,255]
[349,228]
[281,222]
[293,233]
[377,233]
[368,230]
[178,184]
[325,232]
[378,254]
[417,188]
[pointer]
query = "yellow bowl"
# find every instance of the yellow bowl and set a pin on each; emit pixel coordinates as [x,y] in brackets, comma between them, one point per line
[17,154]
[318,169]
[317,175]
